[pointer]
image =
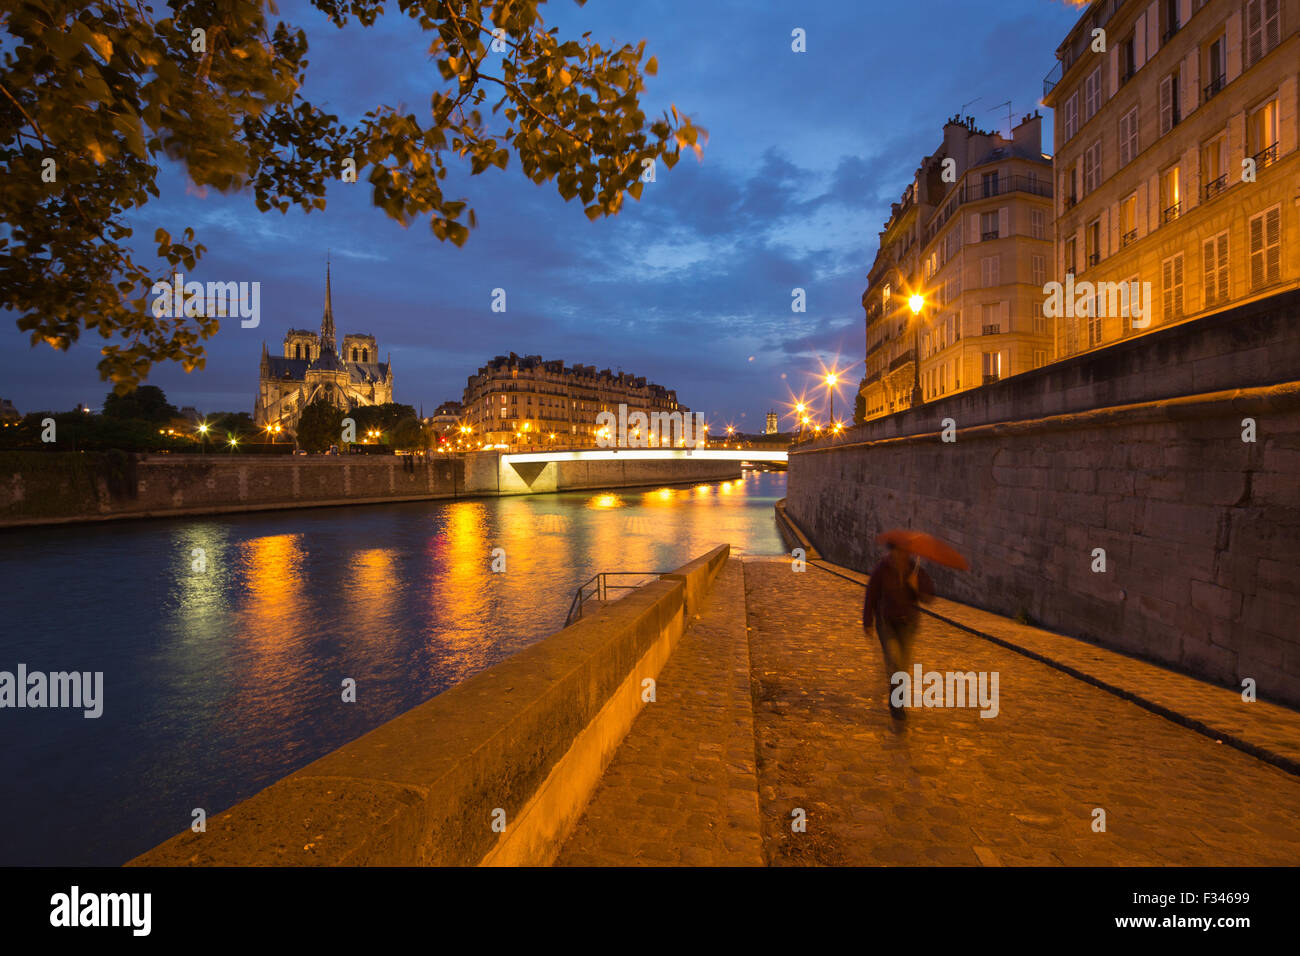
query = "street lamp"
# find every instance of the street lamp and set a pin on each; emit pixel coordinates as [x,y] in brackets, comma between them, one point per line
[916,302]
[832,378]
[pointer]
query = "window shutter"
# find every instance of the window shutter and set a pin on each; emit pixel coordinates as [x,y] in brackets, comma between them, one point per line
[1257,252]
[1210,270]
[1166,105]
[1004,316]
[1004,222]
[1273,244]
[1272,24]
[1190,74]
[1124,156]
[1254,32]
[974,227]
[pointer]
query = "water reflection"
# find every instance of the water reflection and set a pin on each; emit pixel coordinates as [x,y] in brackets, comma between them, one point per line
[221,680]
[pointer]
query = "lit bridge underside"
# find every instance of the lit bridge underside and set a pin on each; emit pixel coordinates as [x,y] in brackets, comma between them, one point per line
[645,454]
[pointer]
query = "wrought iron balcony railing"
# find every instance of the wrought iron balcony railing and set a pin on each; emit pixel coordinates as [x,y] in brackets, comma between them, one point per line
[1128,237]
[1216,186]
[1171,213]
[1265,157]
[1213,88]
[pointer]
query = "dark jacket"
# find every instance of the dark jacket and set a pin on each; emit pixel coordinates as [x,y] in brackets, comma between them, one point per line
[890,596]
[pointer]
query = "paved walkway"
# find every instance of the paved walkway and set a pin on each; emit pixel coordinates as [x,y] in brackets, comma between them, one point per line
[682,788]
[948,787]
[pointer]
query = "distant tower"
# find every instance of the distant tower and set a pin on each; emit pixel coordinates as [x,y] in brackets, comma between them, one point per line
[327,343]
[772,426]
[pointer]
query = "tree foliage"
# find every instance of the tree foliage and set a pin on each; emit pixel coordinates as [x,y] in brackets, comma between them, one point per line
[148,403]
[320,426]
[107,90]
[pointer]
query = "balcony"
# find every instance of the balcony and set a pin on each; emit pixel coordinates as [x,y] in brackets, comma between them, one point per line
[992,330]
[990,379]
[1171,213]
[1004,185]
[1216,186]
[1094,258]
[1127,74]
[1170,33]
[1265,157]
[1128,237]
[1212,89]
[1053,77]
[902,360]
[986,236]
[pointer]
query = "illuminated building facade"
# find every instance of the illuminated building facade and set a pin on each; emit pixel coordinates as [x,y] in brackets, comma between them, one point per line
[1176,158]
[514,400]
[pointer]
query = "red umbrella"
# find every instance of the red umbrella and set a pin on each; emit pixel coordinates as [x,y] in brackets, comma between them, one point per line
[925,546]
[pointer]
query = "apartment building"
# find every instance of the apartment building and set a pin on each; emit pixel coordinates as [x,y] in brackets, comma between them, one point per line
[529,401]
[1176,158]
[972,234]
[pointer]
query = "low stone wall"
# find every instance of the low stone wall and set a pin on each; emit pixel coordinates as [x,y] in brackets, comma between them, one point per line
[59,487]
[1114,450]
[496,770]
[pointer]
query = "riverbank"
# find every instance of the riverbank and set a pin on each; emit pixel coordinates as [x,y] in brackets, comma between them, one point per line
[39,488]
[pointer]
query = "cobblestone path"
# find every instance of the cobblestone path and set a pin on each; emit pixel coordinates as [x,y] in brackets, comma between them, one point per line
[806,693]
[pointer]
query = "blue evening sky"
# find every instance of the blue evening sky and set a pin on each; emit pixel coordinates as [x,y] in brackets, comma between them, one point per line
[691,286]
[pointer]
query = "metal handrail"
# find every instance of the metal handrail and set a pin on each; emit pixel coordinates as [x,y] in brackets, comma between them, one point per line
[601,589]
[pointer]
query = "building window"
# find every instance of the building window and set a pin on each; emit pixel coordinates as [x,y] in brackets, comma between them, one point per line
[1037,224]
[1263,28]
[1040,320]
[1172,286]
[1127,58]
[1266,248]
[1171,20]
[1040,358]
[1128,230]
[1071,116]
[989,269]
[1170,108]
[1262,135]
[1069,266]
[1092,237]
[1171,195]
[1092,167]
[991,313]
[992,365]
[990,183]
[988,225]
[1128,136]
[1216,69]
[365,355]
[1214,260]
[1038,264]
[1214,166]
[1092,94]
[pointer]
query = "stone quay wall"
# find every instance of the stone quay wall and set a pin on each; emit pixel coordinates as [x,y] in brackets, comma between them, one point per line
[495,771]
[1136,453]
[62,487]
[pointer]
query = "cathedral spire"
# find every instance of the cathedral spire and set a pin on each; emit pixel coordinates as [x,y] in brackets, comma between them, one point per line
[327,321]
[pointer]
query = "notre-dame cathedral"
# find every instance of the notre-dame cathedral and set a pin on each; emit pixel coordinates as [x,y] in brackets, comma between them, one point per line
[312,369]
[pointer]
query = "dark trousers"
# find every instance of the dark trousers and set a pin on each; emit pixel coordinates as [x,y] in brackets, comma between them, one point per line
[896,642]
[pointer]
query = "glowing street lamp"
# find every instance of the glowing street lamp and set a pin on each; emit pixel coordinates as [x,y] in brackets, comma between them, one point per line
[831,380]
[916,302]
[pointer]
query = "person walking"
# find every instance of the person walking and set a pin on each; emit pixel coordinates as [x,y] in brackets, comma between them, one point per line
[896,584]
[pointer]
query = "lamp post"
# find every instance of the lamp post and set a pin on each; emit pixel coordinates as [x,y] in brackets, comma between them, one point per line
[916,303]
[832,379]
